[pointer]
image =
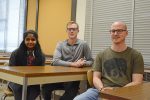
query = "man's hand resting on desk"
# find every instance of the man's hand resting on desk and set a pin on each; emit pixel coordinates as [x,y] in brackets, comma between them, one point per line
[79,63]
[107,88]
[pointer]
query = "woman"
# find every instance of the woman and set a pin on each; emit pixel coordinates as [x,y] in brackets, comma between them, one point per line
[29,53]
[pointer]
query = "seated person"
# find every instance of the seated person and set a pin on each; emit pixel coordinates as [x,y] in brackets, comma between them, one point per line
[117,66]
[72,52]
[29,53]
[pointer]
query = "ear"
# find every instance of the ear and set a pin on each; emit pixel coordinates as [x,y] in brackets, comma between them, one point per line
[78,30]
[126,33]
[36,42]
[66,30]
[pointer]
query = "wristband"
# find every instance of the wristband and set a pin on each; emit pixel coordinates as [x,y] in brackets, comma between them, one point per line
[100,90]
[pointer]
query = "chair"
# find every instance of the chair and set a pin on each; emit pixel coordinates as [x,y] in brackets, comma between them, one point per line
[90,77]
[90,80]
[56,94]
[7,93]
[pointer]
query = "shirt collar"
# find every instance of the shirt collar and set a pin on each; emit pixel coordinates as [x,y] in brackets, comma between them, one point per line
[77,42]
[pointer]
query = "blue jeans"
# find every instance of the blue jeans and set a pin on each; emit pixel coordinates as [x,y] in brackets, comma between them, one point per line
[90,94]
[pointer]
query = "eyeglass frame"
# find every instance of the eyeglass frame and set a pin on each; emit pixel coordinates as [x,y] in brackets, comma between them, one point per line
[73,29]
[118,31]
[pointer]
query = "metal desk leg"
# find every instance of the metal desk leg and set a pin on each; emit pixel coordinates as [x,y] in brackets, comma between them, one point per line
[24,90]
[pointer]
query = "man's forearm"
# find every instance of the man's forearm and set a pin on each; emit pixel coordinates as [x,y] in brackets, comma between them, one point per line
[136,79]
[88,63]
[60,63]
[133,83]
[98,84]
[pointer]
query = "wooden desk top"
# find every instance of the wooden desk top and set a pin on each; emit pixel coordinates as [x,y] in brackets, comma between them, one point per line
[147,69]
[139,92]
[48,62]
[35,71]
[4,57]
[3,61]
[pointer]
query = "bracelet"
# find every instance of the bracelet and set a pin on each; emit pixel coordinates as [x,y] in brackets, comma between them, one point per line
[100,90]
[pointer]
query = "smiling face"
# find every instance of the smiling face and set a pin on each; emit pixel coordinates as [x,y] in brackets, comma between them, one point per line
[118,32]
[72,30]
[30,41]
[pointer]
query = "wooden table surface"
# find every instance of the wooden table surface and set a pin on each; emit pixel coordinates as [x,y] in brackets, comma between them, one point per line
[4,57]
[2,62]
[30,75]
[35,71]
[138,92]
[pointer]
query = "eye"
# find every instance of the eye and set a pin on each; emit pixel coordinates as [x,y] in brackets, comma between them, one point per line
[27,39]
[118,31]
[112,31]
[30,39]
[33,39]
[73,29]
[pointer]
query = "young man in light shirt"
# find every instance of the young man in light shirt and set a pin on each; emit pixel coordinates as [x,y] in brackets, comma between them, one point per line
[71,52]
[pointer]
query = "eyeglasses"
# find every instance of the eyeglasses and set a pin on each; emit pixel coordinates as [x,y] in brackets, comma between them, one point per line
[73,29]
[118,31]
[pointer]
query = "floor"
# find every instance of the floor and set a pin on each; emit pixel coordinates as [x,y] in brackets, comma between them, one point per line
[3,86]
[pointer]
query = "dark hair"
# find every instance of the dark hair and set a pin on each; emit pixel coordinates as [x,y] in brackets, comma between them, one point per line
[21,53]
[30,32]
[23,46]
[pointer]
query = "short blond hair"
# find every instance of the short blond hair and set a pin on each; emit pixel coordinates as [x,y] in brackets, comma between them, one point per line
[72,22]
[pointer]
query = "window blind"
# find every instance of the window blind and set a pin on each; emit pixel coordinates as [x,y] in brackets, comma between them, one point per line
[141,40]
[100,14]
[104,13]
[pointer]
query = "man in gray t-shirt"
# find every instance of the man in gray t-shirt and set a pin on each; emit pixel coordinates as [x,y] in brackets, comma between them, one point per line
[72,52]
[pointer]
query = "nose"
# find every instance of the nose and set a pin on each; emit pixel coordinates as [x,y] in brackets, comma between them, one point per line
[71,30]
[30,41]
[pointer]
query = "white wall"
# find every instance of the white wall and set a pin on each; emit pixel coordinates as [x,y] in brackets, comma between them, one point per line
[80,17]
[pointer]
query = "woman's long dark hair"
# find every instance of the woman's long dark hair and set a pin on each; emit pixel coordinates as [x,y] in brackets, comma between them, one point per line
[21,54]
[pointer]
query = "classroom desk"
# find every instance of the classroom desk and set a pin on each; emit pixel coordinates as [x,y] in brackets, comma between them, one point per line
[4,57]
[147,69]
[139,92]
[2,62]
[48,62]
[40,75]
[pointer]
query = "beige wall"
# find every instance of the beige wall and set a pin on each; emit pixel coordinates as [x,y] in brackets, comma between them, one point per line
[53,16]
[31,14]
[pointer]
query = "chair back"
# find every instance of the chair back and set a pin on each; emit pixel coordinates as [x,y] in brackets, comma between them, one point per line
[6,64]
[90,77]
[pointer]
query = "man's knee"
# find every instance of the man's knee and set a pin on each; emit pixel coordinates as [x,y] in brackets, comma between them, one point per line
[90,93]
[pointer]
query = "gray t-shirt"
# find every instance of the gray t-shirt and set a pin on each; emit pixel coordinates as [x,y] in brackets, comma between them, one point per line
[65,53]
